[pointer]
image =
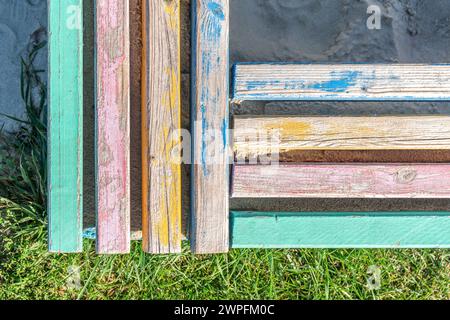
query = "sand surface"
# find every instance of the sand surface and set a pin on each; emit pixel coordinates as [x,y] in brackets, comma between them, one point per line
[20,23]
[412,31]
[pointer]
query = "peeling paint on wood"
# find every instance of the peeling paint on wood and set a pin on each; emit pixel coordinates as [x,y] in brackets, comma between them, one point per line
[113,126]
[342,181]
[254,135]
[65,129]
[210,112]
[161,120]
[340,230]
[338,82]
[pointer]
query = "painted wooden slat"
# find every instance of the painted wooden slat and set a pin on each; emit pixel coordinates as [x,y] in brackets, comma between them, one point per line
[113,126]
[340,230]
[65,126]
[342,181]
[210,173]
[369,82]
[161,119]
[254,135]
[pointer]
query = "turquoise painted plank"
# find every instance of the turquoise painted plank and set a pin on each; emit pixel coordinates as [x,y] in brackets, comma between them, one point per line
[340,230]
[65,126]
[341,82]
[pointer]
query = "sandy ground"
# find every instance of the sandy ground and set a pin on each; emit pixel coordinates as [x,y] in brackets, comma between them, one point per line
[19,19]
[267,30]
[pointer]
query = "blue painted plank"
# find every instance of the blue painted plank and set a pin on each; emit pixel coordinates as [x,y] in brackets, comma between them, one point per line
[341,82]
[210,114]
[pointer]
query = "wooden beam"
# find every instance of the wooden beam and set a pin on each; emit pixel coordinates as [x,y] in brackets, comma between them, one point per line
[384,156]
[340,230]
[342,181]
[210,114]
[65,126]
[337,82]
[161,120]
[113,126]
[255,135]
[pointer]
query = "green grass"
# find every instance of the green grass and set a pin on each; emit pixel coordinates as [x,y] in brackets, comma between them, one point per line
[242,274]
[28,271]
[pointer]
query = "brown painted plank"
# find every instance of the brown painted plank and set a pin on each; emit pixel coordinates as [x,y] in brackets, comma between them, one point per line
[401,156]
[255,136]
[341,181]
[161,120]
[210,114]
[113,126]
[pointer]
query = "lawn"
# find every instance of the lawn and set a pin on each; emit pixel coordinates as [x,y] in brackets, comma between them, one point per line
[28,271]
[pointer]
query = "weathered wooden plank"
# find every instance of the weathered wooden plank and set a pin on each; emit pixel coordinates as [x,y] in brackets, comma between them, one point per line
[369,82]
[161,120]
[384,156]
[210,173]
[65,126]
[113,126]
[342,181]
[255,135]
[340,230]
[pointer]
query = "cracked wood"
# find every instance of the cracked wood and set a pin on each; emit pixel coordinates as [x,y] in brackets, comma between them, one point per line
[342,181]
[113,126]
[257,136]
[161,122]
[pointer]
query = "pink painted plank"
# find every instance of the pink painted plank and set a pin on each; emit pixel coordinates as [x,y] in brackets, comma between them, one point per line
[342,181]
[113,126]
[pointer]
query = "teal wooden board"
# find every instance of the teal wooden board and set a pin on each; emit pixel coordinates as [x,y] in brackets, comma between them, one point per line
[65,126]
[340,230]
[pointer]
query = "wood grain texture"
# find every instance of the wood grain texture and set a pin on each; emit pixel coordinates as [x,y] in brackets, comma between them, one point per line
[369,82]
[342,181]
[254,135]
[161,119]
[210,114]
[113,126]
[384,156]
[65,126]
[340,230]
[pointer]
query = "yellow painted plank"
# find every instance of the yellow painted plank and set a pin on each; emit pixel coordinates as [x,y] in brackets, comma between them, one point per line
[255,136]
[161,120]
